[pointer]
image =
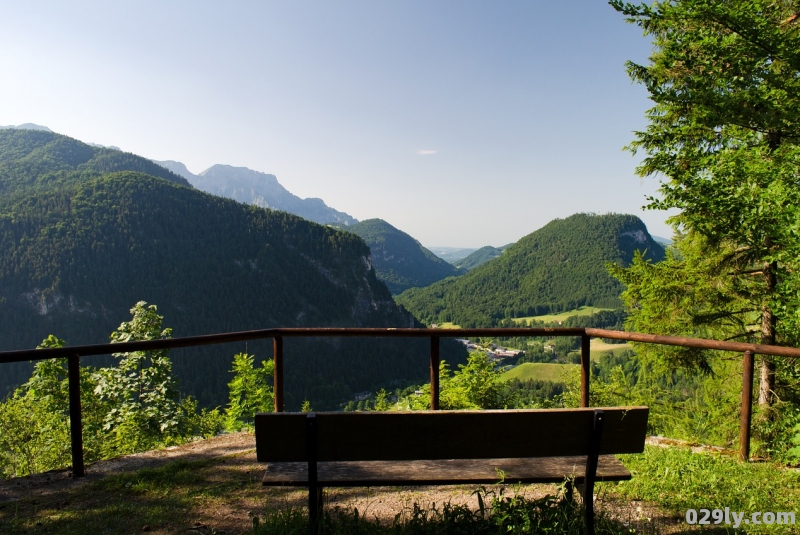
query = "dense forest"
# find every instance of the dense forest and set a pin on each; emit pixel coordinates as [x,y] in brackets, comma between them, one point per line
[400,261]
[556,268]
[79,249]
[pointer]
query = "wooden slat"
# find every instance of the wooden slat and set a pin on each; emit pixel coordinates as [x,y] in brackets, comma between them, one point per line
[444,472]
[374,436]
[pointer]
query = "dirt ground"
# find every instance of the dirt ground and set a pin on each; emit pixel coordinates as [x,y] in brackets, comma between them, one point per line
[236,453]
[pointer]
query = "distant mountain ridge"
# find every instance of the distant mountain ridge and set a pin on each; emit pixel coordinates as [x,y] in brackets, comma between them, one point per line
[556,268]
[26,126]
[452,254]
[400,261]
[259,189]
[480,257]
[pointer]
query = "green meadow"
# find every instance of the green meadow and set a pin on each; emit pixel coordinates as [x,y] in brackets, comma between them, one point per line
[550,318]
[542,371]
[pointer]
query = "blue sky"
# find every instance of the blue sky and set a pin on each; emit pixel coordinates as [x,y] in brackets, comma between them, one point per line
[462,123]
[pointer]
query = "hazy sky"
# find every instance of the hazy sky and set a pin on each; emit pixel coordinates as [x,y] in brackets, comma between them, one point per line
[462,123]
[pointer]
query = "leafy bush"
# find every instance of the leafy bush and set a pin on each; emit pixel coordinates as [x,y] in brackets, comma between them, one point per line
[250,391]
[132,407]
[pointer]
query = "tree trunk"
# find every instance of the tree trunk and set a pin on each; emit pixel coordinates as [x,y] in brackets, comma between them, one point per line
[767,386]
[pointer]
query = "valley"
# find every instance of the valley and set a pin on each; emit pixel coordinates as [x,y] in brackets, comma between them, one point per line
[612,189]
[88,231]
[84,256]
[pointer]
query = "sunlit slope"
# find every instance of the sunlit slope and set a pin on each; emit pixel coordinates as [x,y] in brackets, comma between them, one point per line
[556,268]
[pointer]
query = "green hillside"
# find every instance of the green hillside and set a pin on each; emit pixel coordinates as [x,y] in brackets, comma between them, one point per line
[76,254]
[33,159]
[400,261]
[480,257]
[560,317]
[559,267]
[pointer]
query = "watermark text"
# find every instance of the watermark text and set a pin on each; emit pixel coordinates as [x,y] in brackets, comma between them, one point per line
[737,518]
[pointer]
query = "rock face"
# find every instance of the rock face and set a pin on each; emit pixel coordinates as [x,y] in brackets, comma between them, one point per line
[259,189]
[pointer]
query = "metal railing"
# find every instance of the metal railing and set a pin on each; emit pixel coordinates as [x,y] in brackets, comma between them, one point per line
[74,353]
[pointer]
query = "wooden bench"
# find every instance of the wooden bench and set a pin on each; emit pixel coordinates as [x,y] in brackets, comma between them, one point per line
[364,449]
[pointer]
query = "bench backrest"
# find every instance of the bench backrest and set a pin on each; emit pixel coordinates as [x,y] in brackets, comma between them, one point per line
[374,436]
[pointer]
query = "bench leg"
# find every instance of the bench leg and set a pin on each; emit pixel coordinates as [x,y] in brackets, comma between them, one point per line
[588,504]
[314,489]
[591,469]
[314,509]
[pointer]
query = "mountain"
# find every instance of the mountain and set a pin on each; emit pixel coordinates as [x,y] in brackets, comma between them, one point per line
[36,159]
[451,254]
[259,189]
[81,248]
[480,257]
[400,261]
[556,268]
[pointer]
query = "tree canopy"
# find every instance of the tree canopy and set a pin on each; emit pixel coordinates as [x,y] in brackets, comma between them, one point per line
[723,136]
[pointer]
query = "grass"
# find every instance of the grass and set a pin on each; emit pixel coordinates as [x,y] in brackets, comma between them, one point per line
[598,347]
[547,318]
[678,480]
[170,499]
[550,318]
[198,496]
[496,515]
[191,497]
[542,371]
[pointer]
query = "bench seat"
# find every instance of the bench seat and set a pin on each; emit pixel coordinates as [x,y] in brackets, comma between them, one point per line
[448,448]
[443,472]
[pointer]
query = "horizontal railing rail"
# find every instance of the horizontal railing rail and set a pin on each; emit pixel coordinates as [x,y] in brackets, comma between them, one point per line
[74,353]
[286,332]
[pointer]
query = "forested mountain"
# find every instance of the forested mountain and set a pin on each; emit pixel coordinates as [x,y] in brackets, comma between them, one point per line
[37,159]
[259,189]
[79,249]
[400,261]
[480,257]
[556,268]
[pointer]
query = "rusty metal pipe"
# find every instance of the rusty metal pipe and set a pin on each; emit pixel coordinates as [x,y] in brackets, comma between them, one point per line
[586,369]
[747,406]
[277,383]
[434,373]
[75,417]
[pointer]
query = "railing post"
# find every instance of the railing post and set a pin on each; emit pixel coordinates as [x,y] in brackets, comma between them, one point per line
[277,361]
[435,373]
[747,406]
[75,419]
[586,368]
